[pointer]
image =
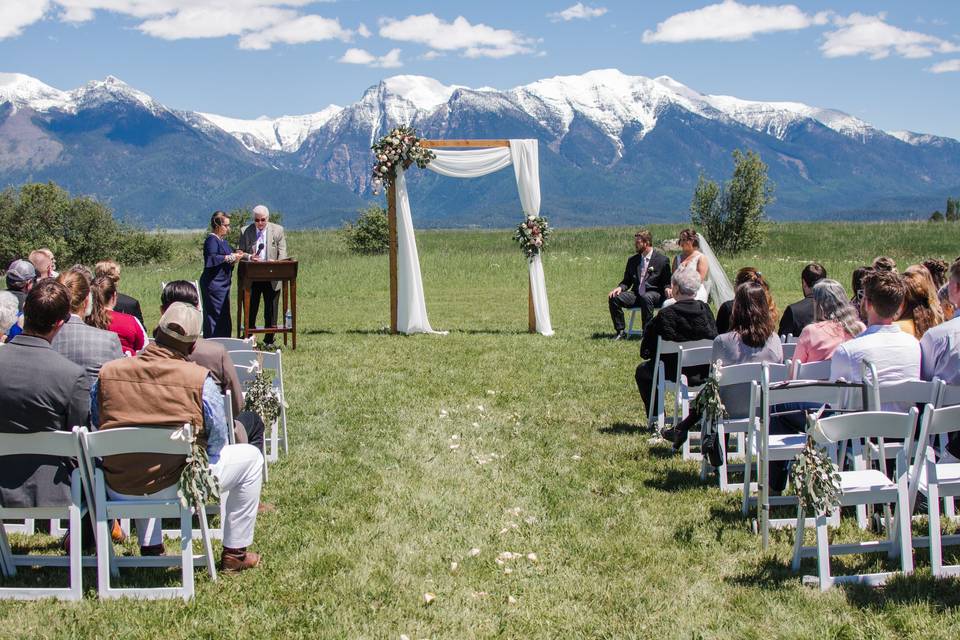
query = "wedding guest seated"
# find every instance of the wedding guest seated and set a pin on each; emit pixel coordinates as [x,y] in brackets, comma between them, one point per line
[835,321]
[214,357]
[751,339]
[44,262]
[884,263]
[746,274]
[856,284]
[799,314]
[686,320]
[921,308]
[20,277]
[77,341]
[160,388]
[938,271]
[895,353]
[125,303]
[133,337]
[8,313]
[940,348]
[644,284]
[41,391]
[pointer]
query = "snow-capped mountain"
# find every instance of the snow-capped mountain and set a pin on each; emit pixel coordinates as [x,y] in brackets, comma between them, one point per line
[614,147]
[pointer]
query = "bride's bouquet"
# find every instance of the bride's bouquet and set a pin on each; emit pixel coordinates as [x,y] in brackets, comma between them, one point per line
[399,147]
[532,235]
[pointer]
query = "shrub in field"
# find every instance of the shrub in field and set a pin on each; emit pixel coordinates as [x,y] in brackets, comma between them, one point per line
[936,216]
[76,229]
[370,234]
[953,210]
[732,216]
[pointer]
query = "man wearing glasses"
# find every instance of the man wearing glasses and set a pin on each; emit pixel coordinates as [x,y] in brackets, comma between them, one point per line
[264,240]
[644,279]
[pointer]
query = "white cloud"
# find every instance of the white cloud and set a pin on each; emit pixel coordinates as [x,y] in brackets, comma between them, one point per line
[363,31]
[432,55]
[860,34]
[213,22]
[297,31]
[730,21]
[578,11]
[14,16]
[946,66]
[475,40]
[361,56]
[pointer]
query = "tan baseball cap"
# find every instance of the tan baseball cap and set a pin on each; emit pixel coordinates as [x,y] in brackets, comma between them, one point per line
[182,322]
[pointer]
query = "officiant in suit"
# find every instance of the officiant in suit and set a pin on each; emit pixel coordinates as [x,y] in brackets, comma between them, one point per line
[645,278]
[264,240]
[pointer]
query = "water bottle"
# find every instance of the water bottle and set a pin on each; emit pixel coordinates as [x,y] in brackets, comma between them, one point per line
[288,320]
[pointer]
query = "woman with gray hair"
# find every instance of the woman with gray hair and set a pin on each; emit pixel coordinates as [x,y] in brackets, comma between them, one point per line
[8,313]
[834,321]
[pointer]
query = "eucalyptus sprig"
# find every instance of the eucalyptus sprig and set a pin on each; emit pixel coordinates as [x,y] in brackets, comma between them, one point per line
[262,398]
[198,486]
[814,478]
[708,402]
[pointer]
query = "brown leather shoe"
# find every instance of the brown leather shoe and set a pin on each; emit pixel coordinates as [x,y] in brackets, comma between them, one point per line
[236,560]
[152,550]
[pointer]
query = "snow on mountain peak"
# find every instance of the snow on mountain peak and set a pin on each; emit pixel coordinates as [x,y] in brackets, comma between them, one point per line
[25,91]
[285,133]
[110,89]
[424,93]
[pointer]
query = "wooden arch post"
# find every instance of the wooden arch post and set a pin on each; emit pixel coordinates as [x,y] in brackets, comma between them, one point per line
[392,227]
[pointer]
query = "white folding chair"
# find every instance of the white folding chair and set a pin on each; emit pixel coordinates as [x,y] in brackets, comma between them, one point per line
[772,448]
[235,344]
[742,426]
[789,348]
[633,314]
[247,364]
[868,486]
[937,480]
[64,445]
[949,397]
[818,370]
[684,392]
[151,440]
[660,385]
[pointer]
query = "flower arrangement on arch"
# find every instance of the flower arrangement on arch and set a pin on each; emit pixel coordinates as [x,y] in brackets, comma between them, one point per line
[532,235]
[400,147]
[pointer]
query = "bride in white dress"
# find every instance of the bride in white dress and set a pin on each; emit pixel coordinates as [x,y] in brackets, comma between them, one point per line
[695,254]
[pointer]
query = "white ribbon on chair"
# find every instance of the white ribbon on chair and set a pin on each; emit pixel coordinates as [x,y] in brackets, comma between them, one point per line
[471,163]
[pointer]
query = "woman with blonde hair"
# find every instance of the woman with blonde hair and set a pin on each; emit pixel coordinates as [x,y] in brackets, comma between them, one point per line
[921,308]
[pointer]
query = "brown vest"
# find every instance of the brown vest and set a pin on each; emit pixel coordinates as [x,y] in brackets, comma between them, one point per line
[157,388]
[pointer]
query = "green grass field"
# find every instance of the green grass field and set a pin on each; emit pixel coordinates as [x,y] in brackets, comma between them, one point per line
[409,452]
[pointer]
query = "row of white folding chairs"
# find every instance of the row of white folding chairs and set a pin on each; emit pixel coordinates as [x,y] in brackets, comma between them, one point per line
[88,479]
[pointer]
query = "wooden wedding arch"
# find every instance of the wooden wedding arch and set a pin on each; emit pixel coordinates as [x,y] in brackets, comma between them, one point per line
[392,221]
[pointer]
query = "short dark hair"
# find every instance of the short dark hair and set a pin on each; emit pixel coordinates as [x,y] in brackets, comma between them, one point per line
[644,235]
[856,280]
[179,291]
[218,218]
[750,317]
[689,235]
[812,274]
[884,290]
[47,304]
[884,263]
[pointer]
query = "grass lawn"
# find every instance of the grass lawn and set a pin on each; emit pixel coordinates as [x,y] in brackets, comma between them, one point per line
[407,453]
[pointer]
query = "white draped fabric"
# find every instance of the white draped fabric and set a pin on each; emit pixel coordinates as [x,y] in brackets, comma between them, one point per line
[470,163]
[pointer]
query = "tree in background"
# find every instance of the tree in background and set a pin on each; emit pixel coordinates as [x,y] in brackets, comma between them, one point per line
[952,214]
[936,216]
[370,234]
[77,230]
[732,217]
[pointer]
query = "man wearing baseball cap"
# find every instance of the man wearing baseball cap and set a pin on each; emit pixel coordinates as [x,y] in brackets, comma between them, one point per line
[21,275]
[159,387]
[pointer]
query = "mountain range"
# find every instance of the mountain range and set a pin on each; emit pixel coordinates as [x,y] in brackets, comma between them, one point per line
[614,149]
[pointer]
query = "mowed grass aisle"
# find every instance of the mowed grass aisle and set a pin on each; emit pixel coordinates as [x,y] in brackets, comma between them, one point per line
[416,462]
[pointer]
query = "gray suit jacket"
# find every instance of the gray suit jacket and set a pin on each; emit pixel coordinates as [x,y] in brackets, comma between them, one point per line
[87,346]
[42,391]
[276,243]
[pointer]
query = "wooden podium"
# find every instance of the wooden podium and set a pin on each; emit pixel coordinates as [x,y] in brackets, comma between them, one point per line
[249,272]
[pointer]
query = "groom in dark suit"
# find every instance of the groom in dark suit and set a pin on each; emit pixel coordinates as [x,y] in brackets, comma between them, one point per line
[644,280]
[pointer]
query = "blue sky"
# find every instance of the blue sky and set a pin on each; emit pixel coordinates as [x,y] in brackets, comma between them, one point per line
[894,64]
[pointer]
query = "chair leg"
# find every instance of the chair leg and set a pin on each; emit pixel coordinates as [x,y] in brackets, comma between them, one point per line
[722,469]
[903,528]
[104,557]
[283,424]
[747,470]
[207,544]
[798,538]
[936,548]
[76,559]
[186,551]
[823,552]
[6,556]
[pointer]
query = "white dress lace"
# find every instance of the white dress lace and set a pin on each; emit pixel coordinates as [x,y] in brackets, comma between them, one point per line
[703,291]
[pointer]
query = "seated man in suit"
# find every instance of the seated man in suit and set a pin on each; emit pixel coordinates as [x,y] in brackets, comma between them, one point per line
[686,320]
[799,314]
[159,387]
[42,391]
[264,240]
[644,282]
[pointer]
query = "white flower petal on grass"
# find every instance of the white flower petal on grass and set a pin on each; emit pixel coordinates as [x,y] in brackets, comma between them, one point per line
[507,571]
[480,408]
[404,636]
[473,553]
[511,600]
[575,456]
[454,446]
[514,511]
[532,557]
[454,566]
[428,598]
[454,437]
[491,392]
[530,519]
[475,425]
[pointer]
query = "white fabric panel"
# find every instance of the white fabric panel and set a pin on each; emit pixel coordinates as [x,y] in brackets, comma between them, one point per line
[720,288]
[411,307]
[526,167]
[471,163]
